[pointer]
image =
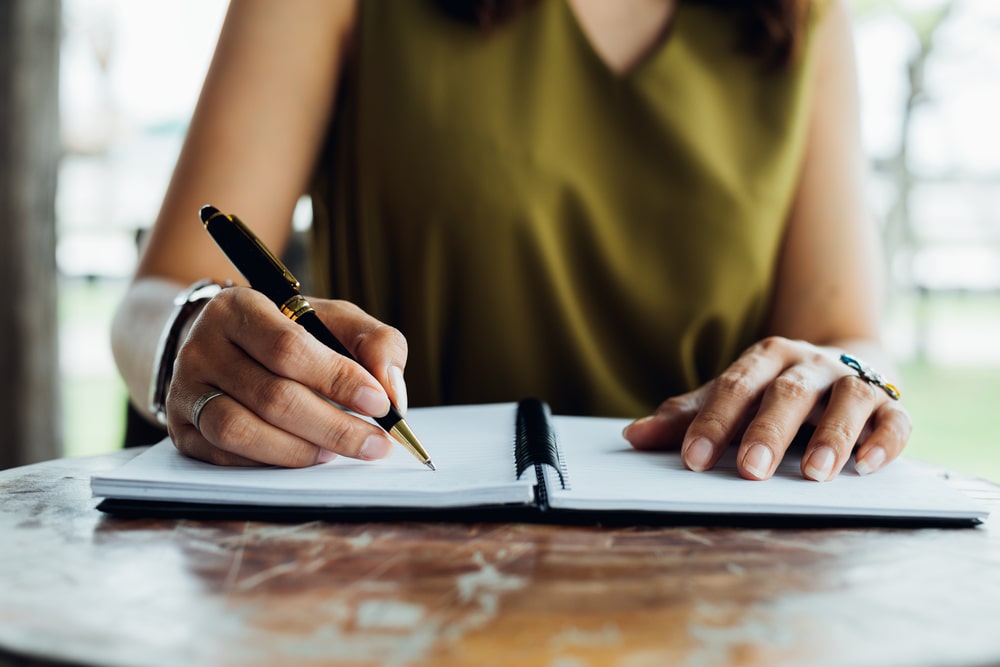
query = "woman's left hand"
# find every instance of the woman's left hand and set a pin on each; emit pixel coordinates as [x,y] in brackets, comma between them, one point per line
[763,399]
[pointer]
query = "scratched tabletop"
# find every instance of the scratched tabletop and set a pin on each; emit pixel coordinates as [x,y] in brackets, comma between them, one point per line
[79,587]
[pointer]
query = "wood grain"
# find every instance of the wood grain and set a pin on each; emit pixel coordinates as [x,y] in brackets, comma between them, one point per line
[83,587]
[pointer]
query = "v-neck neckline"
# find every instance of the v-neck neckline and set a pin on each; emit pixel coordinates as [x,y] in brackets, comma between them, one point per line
[652,54]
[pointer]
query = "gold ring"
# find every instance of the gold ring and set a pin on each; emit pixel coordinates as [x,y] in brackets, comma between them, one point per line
[200,404]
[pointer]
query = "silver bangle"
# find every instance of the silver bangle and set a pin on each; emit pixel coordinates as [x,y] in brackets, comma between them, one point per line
[166,348]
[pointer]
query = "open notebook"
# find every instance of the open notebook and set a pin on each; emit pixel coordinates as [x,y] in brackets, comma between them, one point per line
[516,461]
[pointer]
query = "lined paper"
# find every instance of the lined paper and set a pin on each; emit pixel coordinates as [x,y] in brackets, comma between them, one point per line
[472,447]
[607,474]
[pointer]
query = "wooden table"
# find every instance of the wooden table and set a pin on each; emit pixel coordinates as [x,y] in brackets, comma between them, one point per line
[81,587]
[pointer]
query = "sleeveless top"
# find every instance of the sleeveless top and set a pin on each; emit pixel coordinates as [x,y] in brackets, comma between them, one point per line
[539,225]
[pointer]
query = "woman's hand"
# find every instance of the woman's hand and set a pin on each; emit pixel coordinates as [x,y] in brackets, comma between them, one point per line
[279,382]
[764,398]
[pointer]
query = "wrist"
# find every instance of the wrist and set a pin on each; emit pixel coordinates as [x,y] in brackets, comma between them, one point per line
[186,304]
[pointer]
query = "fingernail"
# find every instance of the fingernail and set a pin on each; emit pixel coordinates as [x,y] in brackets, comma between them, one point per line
[872,462]
[325,456]
[698,454]
[371,402]
[398,388]
[820,464]
[374,447]
[758,461]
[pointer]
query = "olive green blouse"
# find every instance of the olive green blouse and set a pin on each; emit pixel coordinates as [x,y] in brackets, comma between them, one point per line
[538,225]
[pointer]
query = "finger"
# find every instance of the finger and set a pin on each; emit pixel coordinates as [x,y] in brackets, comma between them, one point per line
[284,403]
[251,322]
[852,401]
[238,449]
[665,428]
[784,407]
[228,429]
[294,408]
[233,428]
[190,442]
[731,396]
[891,427]
[378,347]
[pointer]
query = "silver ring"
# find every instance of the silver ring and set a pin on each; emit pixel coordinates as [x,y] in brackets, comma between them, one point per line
[200,404]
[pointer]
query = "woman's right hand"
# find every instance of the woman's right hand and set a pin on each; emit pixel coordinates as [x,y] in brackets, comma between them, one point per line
[279,381]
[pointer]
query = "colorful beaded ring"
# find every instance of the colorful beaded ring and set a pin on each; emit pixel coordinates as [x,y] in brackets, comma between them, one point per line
[870,375]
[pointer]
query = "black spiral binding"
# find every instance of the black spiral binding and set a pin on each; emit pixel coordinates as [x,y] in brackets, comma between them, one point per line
[535,443]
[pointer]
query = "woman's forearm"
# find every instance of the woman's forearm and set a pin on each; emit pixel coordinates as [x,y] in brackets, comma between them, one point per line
[135,332]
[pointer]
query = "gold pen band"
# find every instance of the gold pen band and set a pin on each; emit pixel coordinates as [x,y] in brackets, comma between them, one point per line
[405,436]
[295,307]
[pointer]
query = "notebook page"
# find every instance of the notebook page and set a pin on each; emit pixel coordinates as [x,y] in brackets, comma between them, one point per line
[472,447]
[605,473]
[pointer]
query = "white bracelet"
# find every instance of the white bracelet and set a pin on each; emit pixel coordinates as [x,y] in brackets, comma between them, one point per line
[166,348]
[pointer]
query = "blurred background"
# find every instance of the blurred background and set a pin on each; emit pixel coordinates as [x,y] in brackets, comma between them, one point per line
[930,85]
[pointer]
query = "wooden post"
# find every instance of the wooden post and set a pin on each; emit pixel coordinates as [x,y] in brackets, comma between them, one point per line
[30,416]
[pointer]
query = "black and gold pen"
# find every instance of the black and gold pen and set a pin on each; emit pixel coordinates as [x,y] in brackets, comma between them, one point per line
[268,275]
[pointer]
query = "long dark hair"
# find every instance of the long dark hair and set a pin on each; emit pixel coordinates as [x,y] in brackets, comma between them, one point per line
[772,29]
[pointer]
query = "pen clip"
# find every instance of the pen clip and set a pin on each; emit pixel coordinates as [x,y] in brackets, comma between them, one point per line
[261,248]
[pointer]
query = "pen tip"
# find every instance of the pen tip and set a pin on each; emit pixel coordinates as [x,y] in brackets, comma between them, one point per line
[430,464]
[208,212]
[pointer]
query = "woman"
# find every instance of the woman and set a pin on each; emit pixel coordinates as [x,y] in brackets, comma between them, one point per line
[601,204]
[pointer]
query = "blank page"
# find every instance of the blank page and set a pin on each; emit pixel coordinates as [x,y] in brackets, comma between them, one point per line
[472,447]
[605,473]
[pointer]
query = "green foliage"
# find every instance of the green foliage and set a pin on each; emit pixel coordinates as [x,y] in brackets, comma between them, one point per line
[955,420]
